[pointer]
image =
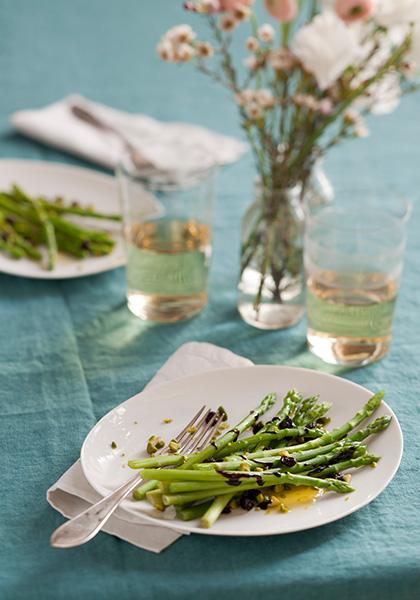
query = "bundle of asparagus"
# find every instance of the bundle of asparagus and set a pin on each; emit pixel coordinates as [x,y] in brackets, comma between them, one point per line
[292,449]
[26,223]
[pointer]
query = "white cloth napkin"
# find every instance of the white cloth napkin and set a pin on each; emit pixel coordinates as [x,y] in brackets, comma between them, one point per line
[72,494]
[171,146]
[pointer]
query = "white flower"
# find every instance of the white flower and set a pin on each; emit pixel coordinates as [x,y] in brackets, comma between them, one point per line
[184,52]
[210,6]
[306,100]
[280,59]
[241,13]
[204,49]
[165,50]
[326,47]
[382,97]
[253,110]
[180,34]
[360,130]
[326,106]
[245,97]
[266,33]
[227,23]
[251,63]
[252,44]
[252,100]
[265,98]
[397,12]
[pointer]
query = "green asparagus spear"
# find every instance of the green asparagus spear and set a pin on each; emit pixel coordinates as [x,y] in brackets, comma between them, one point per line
[154,462]
[290,401]
[301,453]
[231,435]
[12,237]
[335,435]
[276,435]
[351,463]
[77,210]
[306,404]
[265,404]
[321,455]
[269,480]
[215,510]
[13,250]
[192,512]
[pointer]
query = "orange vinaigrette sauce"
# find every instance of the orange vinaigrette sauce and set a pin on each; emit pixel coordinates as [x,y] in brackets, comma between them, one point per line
[284,498]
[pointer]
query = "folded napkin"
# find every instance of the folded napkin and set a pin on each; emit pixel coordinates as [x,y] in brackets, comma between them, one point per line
[171,146]
[72,494]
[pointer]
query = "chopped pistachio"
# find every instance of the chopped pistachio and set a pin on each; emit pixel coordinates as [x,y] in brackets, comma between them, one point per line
[192,429]
[259,469]
[244,466]
[154,444]
[373,465]
[173,446]
[167,420]
[113,445]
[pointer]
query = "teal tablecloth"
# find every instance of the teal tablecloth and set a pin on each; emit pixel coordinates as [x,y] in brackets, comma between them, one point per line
[70,350]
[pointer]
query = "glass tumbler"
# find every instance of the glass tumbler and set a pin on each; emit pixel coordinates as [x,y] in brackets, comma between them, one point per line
[167,230]
[353,262]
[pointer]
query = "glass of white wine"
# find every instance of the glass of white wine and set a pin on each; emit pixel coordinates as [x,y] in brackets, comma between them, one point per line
[353,262]
[167,230]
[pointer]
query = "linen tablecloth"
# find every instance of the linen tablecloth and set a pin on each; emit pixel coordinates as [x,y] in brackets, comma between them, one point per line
[70,350]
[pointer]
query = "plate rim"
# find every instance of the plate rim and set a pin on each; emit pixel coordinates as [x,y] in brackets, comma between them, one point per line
[76,169]
[172,524]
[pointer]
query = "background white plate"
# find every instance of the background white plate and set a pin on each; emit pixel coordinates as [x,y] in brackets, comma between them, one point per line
[238,390]
[73,183]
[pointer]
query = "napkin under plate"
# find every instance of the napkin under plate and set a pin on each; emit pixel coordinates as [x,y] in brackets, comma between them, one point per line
[72,493]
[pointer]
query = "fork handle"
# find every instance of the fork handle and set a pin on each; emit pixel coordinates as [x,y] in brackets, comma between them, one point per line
[86,525]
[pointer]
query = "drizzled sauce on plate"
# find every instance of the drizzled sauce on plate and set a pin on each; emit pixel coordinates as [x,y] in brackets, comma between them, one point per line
[289,498]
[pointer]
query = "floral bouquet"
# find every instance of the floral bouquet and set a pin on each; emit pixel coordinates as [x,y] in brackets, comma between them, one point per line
[311,74]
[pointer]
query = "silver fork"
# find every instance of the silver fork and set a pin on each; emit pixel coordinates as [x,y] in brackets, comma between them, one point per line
[84,114]
[83,527]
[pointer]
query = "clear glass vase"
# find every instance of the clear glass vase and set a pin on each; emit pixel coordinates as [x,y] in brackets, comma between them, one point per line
[271,277]
[271,282]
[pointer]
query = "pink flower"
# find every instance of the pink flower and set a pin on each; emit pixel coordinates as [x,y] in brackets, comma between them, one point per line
[325,106]
[354,10]
[230,5]
[282,10]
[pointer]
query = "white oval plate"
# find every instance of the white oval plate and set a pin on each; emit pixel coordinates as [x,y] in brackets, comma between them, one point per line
[239,390]
[73,183]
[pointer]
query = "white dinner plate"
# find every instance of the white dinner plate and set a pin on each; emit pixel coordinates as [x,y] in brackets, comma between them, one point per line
[239,390]
[73,183]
